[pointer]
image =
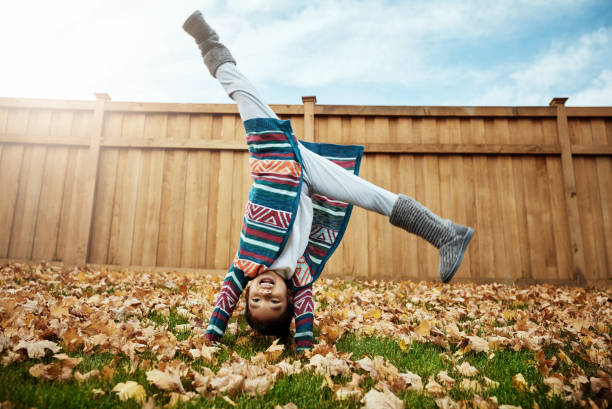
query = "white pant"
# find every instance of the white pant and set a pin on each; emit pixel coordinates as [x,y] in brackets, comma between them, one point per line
[321,176]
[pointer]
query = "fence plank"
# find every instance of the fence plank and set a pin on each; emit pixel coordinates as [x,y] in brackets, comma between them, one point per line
[30,183]
[357,234]
[45,241]
[146,232]
[105,193]
[569,180]
[224,197]
[604,170]
[173,195]
[196,201]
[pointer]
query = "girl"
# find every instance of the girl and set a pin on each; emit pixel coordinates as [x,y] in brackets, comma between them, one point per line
[298,209]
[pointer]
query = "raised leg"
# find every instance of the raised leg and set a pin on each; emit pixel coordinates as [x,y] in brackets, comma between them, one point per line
[329,179]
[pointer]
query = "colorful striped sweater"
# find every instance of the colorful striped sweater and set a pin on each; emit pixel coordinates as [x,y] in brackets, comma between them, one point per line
[276,168]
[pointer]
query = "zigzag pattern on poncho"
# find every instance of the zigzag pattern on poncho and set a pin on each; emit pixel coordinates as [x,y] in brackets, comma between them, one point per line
[269,214]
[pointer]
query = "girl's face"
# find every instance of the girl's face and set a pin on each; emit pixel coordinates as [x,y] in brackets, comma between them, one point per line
[267,296]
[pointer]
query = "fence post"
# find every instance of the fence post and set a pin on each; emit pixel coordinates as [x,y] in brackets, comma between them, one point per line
[91,177]
[569,181]
[309,119]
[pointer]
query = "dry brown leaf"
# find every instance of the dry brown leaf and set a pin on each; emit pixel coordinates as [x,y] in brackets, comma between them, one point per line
[11,357]
[289,405]
[274,352]
[382,400]
[490,382]
[446,380]
[176,398]
[348,393]
[287,368]
[555,384]
[68,361]
[130,390]
[509,407]
[470,385]
[208,354]
[227,384]
[413,381]
[36,349]
[519,382]
[329,364]
[433,387]
[466,369]
[478,344]
[258,385]
[489,403]
[446,402]
[165,380]
[424,327]
[94,373]
[565,358]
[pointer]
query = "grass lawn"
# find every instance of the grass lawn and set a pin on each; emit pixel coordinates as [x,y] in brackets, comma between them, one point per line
[538,346]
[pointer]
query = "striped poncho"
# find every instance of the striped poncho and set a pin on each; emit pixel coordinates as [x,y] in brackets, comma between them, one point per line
[275,164]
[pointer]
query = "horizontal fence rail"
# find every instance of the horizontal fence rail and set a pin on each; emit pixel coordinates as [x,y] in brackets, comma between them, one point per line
[164,185]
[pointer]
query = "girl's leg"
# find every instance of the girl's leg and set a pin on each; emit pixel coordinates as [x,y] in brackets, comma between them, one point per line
[329,179]
[240,89]
[222,66]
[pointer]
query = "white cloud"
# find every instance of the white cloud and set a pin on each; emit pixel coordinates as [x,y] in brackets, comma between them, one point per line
[555,73]
[137,50]
[598,93]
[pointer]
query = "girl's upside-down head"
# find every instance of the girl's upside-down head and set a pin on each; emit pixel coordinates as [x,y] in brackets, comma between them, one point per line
[269,308]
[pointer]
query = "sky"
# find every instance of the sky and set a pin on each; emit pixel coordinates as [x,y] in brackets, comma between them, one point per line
[377,52]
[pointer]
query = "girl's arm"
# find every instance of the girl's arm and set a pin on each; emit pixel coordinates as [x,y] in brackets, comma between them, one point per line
[233,285]
[303,312]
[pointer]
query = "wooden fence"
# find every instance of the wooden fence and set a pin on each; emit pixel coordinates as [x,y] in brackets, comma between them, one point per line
[152,184]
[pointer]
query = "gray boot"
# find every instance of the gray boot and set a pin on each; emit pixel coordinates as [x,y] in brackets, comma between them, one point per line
[213,51]
[449,238]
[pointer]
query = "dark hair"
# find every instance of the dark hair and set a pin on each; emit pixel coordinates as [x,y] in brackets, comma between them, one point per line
[278,327]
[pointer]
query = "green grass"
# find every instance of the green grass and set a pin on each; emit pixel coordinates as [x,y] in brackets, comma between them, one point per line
[303,389]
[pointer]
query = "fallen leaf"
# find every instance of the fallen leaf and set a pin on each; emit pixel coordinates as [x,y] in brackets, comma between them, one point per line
[381,400]
[413,381]
[36,349]
[94,373]
[289,405]
[446,402]
[519,382]
[107,372]
[470,385]
[478,344]
[555,384]
[130,390]
[565,358]
[490,383]
[446,380]
[544,365]
[466,369]
[167,381]
[346,393]
[228,400]
[274,352]
[433,387]
[424,328]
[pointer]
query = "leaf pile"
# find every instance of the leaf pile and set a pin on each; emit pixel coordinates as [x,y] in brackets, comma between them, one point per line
[46,310]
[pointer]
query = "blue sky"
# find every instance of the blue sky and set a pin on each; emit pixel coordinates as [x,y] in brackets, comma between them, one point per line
[344,52]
